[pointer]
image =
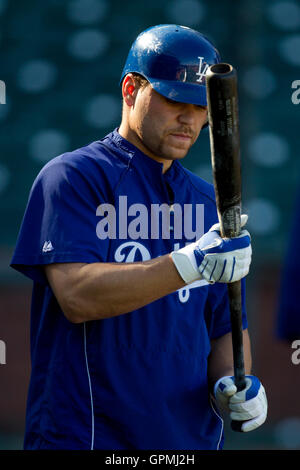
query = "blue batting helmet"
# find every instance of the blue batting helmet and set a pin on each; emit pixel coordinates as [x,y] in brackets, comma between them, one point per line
[174,59]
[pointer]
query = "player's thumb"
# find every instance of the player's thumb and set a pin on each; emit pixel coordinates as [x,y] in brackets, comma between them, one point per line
[225,386]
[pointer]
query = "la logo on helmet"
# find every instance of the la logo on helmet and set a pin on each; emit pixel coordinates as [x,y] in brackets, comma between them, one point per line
[202,71]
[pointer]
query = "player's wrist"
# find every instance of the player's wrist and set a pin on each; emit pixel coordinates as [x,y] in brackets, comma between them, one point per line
[185,263]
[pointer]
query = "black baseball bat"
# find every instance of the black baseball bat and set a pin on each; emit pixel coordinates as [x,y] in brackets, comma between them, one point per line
[223,118]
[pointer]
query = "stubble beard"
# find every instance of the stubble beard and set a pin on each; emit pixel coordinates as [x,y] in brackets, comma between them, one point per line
[165,151]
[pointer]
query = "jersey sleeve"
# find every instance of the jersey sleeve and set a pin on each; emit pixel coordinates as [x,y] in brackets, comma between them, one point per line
[59,223]
[218,310]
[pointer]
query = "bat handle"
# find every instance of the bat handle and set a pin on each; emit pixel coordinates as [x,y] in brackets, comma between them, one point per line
[234,292]
[230,227]
[240,384]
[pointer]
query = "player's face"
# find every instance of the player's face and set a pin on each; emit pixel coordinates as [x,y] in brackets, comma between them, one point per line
[164,129]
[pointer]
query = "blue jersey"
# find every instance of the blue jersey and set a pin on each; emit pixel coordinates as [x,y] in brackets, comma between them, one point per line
[288,318]
[137,380]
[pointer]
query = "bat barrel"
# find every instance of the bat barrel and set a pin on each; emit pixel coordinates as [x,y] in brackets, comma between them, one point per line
[221,80]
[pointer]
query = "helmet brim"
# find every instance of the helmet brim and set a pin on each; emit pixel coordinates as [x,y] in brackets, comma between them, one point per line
[181,91]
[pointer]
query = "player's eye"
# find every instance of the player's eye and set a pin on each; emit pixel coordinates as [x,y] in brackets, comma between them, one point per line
[171,101]
[199,106]
[176,103]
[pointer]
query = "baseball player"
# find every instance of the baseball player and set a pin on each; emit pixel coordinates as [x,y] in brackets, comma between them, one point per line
[130,328]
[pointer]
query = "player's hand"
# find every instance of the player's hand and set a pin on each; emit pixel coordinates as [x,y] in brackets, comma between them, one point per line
[215,259]
[249,405]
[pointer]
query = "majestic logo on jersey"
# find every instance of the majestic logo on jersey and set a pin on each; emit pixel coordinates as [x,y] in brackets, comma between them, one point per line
[133,251]
[203,66]
[47,246]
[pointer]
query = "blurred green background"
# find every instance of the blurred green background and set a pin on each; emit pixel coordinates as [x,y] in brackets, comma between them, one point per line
[61,63]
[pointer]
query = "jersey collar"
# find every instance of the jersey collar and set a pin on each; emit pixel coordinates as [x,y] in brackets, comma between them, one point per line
[141,160]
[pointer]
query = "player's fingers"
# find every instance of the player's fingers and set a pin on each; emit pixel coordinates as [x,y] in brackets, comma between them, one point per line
[249,405]
[254,423]
[248,409]
[242,415]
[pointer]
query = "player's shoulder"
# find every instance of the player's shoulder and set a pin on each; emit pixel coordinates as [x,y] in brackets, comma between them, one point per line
[93,162]
[199,185]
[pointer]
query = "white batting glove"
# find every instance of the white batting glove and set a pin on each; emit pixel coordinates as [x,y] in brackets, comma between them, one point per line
[249,406]
[215,259]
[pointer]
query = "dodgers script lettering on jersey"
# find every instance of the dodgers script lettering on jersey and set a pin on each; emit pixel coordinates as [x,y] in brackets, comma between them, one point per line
[138,380]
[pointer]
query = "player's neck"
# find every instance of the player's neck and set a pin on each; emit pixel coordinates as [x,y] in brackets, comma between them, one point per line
[133,139]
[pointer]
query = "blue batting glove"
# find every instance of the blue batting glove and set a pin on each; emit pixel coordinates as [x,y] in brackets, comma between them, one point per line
[214,258]
[249,405]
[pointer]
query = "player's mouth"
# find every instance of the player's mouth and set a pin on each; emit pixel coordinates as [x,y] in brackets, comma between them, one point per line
[182,136]
[185,133]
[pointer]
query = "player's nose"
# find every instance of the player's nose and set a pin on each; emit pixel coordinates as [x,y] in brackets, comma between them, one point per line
[189,114]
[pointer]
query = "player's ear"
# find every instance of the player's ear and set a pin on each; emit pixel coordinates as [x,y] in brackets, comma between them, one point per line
[129,89]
